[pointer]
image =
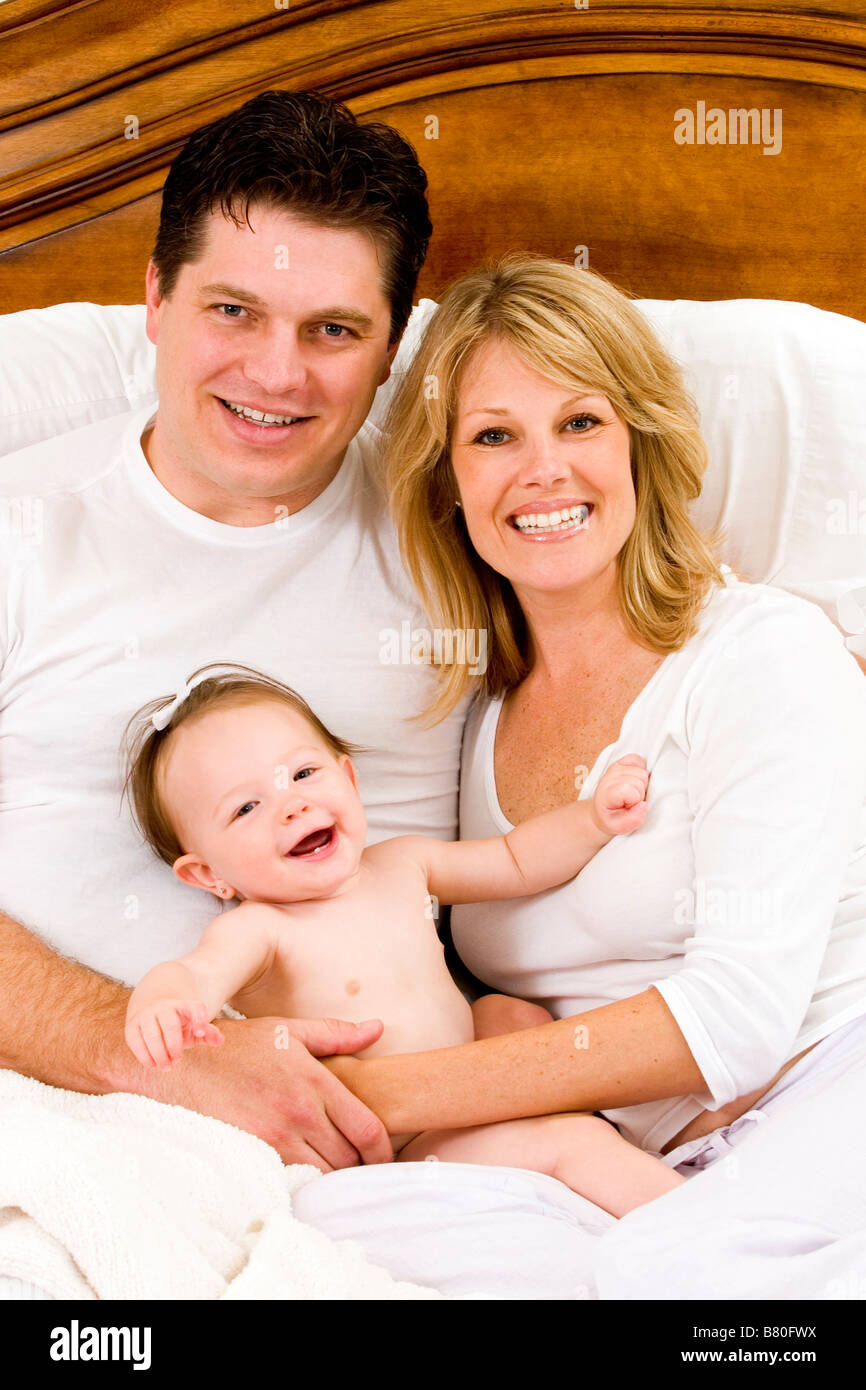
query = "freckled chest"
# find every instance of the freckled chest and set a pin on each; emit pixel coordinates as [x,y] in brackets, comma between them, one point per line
[546,744]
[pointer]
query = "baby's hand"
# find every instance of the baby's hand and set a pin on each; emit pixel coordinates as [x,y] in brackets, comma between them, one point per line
[158,1033]
[619,803]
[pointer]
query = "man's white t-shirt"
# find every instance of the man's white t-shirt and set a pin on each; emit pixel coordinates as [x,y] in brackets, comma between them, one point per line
[114,593]
[742,897]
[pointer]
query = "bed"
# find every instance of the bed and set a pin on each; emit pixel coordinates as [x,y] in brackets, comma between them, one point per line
[706,157]
[665,146]
[548,125]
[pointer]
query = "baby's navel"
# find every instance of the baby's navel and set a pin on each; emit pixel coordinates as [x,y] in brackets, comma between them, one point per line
[352,986]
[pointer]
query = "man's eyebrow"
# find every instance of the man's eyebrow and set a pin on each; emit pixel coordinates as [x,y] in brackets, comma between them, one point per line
[339,311]
[501,410]
[232,292]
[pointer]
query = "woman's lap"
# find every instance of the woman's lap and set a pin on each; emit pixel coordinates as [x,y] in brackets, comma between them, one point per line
[779,1210]
[468,1230]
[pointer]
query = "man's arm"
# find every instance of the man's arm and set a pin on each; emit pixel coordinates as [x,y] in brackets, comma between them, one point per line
[59,1022]
[63,1024]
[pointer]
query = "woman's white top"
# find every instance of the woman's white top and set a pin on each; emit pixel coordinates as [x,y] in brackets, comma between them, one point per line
[742,898]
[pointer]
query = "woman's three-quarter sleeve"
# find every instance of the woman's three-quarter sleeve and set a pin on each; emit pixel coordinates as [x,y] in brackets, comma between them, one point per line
[776,734]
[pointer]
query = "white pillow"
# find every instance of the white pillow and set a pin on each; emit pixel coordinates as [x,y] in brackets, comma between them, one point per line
[69,365]
[781,389]
[782,393]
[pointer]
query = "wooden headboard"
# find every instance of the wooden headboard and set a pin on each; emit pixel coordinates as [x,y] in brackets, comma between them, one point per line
[583,129]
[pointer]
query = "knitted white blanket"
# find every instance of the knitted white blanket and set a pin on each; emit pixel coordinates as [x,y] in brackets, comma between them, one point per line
[121,1197]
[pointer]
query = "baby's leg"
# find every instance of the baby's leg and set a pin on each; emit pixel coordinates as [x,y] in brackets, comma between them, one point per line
[581,1150]
[499,1013]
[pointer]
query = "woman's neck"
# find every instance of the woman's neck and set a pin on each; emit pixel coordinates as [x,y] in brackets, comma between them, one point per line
[573,634]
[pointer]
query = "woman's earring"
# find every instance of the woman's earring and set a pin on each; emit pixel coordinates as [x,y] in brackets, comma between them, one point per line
[459,504]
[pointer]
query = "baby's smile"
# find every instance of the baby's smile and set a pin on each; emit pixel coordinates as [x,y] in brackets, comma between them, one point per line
[263,807]
[318,844]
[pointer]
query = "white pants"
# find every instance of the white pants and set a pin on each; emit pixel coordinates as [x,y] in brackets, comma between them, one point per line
[777,1204]
[775,1207]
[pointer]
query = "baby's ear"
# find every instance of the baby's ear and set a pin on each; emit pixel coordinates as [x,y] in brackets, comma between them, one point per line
[349,769]
[192,870]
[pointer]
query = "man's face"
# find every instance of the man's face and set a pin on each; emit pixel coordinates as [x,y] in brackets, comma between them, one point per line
[283,318]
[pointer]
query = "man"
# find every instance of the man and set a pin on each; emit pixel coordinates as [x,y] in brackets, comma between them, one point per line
[242,522]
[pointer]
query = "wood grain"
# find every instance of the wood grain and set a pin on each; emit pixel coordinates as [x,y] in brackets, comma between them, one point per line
[555,130]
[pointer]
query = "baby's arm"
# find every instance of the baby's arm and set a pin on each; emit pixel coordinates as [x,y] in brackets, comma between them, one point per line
[545,850]
[171,1008]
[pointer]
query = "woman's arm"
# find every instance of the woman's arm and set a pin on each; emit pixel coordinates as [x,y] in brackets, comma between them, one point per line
[776,776]
[620,1054]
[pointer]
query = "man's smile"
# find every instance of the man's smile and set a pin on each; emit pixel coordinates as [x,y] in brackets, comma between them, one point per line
[261,417]
[255,426]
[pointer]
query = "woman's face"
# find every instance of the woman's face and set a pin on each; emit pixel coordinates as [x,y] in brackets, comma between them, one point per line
[526,453]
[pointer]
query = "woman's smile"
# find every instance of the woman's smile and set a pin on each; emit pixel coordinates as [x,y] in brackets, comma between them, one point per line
[543,469]
[553,522]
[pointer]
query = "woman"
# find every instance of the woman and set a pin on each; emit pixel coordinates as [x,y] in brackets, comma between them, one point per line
[710,968]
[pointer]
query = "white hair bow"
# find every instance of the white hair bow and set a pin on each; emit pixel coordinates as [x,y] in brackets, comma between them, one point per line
[163,717]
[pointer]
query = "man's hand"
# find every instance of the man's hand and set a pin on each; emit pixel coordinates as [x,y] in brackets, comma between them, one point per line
[265,1079]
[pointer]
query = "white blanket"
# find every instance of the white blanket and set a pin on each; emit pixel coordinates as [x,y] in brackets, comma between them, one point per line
[121,1197]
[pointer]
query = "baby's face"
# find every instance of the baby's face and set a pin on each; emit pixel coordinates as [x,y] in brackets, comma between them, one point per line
[261,806]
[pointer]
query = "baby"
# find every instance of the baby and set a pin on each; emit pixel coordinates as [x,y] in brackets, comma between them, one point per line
[243,791]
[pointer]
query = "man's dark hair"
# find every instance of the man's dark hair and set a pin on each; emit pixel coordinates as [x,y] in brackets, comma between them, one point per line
[305,154]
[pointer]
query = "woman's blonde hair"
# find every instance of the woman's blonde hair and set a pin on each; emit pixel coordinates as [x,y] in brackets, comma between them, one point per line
[573,328]
[146,744]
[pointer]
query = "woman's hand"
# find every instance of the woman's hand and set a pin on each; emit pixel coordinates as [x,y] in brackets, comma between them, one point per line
[619,803]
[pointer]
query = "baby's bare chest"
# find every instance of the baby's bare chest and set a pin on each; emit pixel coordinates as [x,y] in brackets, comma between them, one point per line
[343,956]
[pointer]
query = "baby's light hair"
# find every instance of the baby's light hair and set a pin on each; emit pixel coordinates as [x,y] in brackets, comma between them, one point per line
[145,744]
